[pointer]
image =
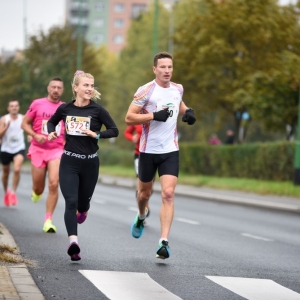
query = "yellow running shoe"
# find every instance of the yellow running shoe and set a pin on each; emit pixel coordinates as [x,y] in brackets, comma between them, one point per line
[35,198]
[49,227]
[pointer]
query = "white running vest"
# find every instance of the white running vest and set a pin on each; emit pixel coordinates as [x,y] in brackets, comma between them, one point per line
[13,138]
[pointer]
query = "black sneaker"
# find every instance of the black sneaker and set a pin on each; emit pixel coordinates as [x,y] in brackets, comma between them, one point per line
[163,250]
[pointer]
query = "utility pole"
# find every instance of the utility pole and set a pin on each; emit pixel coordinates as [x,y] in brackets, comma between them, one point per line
[297,153]
[24,63]
[155,27]
[79,36]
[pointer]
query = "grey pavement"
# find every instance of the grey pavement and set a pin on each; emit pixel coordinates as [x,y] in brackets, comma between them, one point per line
[17,283]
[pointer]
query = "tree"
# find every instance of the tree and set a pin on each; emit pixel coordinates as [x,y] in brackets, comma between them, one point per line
[227,46]
[47,56]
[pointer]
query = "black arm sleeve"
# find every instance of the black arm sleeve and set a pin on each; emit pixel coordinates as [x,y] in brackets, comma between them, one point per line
[54,120]
[111,127]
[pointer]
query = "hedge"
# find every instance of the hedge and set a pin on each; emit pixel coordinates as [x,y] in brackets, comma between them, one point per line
[267,161]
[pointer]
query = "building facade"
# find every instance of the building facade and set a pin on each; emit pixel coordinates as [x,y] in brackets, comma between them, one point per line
[105,22]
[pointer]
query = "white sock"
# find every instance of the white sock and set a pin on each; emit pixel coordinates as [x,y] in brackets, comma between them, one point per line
[142,217]
[163,239]
[73,239]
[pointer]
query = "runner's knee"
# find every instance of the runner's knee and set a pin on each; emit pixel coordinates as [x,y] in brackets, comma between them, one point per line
[168,195]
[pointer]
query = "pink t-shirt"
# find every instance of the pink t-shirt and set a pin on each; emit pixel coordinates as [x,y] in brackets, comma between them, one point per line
[40,111]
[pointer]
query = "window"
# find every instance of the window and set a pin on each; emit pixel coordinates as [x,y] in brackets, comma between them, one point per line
[99,22]
[119,7]
[79,5]
[99,6]
[136,10]
[98,38]
[79,21]
[118,23]
[118,39]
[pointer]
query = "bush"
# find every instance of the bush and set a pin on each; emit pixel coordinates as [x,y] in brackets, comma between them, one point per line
[267,161]
[111,155]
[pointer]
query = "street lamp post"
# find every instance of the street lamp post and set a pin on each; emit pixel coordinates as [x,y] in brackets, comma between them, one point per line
[24,65]
[155,28]
[79,36]
[297,152]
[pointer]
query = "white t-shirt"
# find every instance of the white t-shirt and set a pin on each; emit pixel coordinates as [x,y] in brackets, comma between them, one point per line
[159,137]
[13,138]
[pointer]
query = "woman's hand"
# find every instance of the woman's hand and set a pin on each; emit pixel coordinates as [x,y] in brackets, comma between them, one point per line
[52,136]
[89,133]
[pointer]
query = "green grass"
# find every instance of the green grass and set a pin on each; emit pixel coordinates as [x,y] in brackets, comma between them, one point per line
[239,184]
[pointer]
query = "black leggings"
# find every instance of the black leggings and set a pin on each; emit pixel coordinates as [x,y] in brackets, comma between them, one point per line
[77,180]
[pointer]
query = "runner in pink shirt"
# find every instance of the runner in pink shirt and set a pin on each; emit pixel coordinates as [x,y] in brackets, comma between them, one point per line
[45,156]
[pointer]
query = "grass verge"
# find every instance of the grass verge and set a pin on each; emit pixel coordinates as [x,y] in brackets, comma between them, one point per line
[262,187]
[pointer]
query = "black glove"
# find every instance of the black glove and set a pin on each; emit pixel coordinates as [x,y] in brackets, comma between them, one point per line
[189,116]
[161,115]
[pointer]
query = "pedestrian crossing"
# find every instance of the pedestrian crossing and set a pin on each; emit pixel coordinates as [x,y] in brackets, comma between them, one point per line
[123,286]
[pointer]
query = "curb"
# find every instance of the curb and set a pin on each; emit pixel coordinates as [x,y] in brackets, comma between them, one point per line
[291,205]
[16,282]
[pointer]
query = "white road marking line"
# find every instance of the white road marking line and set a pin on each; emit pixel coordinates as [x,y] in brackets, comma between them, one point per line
[187,221]
[99,201]
[256,289]
[133,208]
[127,285]
[257,237]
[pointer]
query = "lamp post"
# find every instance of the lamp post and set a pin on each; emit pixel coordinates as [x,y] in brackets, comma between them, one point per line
[297,153]
[24,65]
[155,28]
[79,36]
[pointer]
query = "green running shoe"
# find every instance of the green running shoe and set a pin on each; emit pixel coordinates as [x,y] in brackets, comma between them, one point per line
[35,198]
[49,227]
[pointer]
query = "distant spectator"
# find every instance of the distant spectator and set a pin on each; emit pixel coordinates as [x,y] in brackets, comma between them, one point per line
[229,137]
[214,140]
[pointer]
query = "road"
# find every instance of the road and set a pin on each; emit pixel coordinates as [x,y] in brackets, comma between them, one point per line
[218,251]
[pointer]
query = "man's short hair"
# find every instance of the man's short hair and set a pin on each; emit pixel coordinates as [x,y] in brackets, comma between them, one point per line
[160,55]
[56,79]
[13,100]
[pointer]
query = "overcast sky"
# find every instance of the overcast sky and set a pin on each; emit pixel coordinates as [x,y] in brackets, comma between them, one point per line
[41,14]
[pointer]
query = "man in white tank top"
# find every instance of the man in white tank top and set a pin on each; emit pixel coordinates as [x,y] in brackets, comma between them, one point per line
[157,105]
[12,150]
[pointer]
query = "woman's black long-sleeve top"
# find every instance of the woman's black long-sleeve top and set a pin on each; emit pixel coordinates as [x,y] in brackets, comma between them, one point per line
[97,116]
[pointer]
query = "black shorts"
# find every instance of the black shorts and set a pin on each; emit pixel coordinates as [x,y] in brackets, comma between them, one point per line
[7,158]
[165,164]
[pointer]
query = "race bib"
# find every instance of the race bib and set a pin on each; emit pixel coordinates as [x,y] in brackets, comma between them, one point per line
[45,129]
[75,125]
[13,139]
[173,109]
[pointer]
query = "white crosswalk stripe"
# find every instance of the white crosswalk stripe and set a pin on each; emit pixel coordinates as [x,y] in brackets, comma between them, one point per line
[127,285]
[256,289]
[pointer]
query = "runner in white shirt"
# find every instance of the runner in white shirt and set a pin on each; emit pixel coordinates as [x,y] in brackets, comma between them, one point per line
[157,106]
[12,150]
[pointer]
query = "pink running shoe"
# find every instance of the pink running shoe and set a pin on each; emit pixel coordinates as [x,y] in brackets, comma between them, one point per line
[81,217]
[13,199]
[74,251]
[6,199]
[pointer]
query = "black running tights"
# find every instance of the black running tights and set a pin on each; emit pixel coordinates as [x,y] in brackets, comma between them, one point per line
[77,180]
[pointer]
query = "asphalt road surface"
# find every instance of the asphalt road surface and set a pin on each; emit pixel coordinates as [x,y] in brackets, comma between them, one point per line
[218,251]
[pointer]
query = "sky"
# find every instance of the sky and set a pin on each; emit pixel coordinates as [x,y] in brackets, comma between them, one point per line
[40,14]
